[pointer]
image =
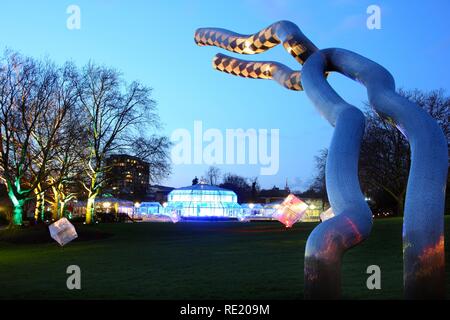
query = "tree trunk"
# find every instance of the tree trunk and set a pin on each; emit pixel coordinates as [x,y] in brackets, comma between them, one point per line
[55,205]
[17,215]
[93,192]
[42,206]
[63,199]
[90,208]
[17,207]
[62,205]
[400,206]
[38,205]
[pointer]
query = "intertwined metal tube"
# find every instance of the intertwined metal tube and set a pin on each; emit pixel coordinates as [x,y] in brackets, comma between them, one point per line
[423,238]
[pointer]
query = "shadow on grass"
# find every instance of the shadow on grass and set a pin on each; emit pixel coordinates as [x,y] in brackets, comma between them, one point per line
[39,233]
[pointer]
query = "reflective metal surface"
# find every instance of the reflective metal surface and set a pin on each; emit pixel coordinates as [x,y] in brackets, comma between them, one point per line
[353,219]
[423,226]
[423,237]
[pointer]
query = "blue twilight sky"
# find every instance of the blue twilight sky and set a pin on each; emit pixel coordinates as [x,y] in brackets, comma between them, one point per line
[152,41]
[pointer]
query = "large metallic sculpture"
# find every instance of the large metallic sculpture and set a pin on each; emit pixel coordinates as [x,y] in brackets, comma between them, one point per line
[423,227]
[423,237]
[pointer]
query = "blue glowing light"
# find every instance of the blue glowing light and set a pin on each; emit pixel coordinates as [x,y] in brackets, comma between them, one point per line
[202,200]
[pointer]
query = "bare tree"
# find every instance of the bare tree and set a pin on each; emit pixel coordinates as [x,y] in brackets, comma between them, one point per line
[436,103]
[239,185]
[60,128]
[385,152]
[318,186]
[384,160]
[319,183]
[28,89]
[112,109]
[255,189]
[70,150]
[212,175]
[153,150]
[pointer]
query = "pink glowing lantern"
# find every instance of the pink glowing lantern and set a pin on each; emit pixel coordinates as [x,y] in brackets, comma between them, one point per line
[290,211]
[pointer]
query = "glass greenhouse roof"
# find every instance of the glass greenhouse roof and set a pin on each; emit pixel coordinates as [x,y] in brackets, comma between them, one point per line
[251,206]
[203,200]
[150,204]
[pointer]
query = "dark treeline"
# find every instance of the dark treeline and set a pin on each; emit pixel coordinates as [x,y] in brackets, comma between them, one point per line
[385,154]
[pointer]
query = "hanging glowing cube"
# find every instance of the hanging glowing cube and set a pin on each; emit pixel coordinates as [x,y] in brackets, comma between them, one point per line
[242,218]
[290,211]
[62,231]
[174,217]
[327,214]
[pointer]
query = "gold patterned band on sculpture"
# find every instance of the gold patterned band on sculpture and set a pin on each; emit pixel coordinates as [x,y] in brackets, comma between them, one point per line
[294,41]
[259,70]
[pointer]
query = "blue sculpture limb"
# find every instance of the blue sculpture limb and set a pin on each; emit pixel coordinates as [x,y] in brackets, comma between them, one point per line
[353,221]
[423,236]
[423,226]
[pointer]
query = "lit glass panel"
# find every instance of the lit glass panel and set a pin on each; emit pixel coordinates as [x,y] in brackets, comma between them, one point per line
[203,201]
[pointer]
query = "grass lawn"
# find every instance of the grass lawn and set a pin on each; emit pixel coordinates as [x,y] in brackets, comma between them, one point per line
[214,260]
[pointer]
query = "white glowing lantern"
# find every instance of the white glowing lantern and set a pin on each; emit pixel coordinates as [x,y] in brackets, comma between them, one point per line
[174,217]
[290,211]
[328,214]
[242,218]
[62,231]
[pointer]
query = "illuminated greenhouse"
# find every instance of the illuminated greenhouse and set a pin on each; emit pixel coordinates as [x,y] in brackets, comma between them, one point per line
[249,209]
[146,208]
[203,200]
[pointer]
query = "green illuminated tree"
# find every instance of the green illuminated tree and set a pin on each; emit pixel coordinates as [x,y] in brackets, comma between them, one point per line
[30,116]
